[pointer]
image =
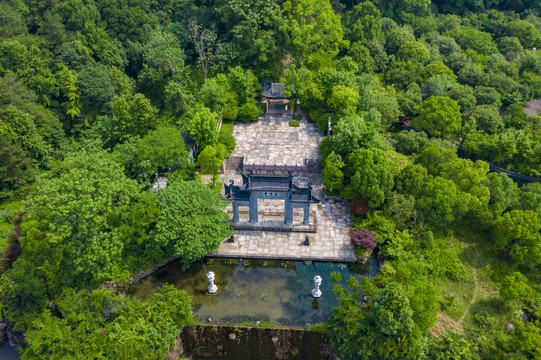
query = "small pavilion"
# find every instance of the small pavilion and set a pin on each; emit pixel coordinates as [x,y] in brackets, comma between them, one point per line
[255,187]
[273,91]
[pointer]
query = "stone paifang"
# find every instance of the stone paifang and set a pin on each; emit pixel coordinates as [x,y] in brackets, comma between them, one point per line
[255,187]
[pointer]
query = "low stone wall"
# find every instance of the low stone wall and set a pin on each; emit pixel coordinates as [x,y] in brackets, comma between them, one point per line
[253,343]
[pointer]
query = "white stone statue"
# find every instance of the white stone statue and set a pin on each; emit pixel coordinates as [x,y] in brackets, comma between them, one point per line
[212,287]
[317,282]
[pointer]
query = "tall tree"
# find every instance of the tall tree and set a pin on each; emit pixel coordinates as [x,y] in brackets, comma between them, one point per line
[333,177]
[206,43]
[440,116]
[371,176]
[74,223]
[312,31]
[192,222]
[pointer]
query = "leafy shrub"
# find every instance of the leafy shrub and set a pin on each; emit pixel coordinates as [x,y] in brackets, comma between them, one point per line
[230,112]
[363,238]
[249,112]
[294,123]
[228,141]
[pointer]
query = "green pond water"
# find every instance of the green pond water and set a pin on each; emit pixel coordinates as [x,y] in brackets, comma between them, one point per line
[256,290]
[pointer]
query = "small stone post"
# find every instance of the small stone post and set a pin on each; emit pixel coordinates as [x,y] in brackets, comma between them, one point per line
[212,287]
[317,281]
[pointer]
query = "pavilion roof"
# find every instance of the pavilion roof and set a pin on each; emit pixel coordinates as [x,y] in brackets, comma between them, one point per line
[274,90]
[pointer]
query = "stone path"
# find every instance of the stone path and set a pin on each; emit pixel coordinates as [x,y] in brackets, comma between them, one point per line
[273,141]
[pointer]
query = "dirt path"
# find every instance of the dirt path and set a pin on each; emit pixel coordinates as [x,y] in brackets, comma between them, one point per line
[533,107]
[474,297]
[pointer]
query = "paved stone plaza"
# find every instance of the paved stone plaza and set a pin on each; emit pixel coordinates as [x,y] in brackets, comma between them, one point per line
[273,141]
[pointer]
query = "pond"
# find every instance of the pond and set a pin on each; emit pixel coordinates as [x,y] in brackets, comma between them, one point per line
[256,290]
[8,352]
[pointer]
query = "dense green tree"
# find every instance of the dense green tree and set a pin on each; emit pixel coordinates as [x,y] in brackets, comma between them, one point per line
[440,116]
[470,178]
[410,99]
[370,177]
[412,180]
[485,118]
[510,47]
[210,159]
[441,203]
[517,232]
[312,30]
[438,85]
[436,68]
[216,92]
[361,55]
[374,333]
[333,177]
[401,74]
[97,89]
[437,156]
[15,167]
[192,222]
[414,51]
[364,23]
[410,141]
[526,32]
[400,208]
[503,192]
[244,83]
[515,287]
[133,116]
[203,127]
[343,98]
[161,150]
[530,197]
[207,46]
[251,31]
[464,96]
[471,38]
[163,63]
[488,96]
[452,346]
[100,323]
[388,107]
[73,229]
[396,9]
[523,342]
[396,38]
[20,127]
[24,292]
[355,131]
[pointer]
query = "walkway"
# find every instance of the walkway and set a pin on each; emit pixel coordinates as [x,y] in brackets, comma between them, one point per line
[273,141]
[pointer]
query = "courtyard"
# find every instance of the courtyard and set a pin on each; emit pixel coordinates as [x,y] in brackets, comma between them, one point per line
[272,141]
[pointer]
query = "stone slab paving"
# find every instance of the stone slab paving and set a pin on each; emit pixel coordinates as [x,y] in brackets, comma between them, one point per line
[273,141]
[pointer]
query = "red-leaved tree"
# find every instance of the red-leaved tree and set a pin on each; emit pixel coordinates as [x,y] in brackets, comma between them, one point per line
[364,238]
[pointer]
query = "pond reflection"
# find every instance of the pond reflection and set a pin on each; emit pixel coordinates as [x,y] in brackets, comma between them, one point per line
[256,290]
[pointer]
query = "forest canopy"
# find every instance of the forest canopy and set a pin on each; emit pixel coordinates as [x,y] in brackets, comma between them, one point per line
[98,98]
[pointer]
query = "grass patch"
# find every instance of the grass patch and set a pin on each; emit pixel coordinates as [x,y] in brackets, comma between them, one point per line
[297,117]
[227,127]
